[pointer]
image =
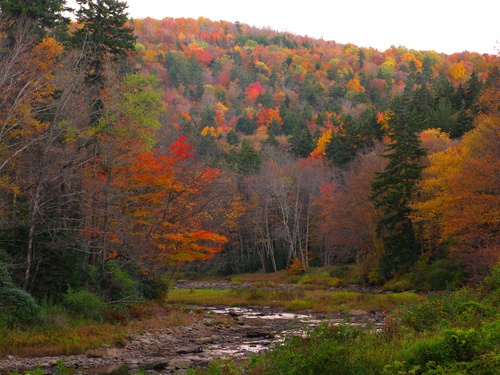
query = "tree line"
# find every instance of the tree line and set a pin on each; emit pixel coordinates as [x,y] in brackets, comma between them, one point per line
[130,149]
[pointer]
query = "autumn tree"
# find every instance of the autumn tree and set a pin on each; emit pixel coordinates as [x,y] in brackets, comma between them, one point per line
[393,191]
[459,206]
[146,204]
[159,208]
[282,218]
[347,228]
[125,130]
[43,127]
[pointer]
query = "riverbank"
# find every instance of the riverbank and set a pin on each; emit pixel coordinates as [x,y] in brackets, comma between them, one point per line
[187,335]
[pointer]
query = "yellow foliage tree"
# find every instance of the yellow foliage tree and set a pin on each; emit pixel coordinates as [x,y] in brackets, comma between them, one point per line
[457,71]
[325,138]
[460,195]
[355,86]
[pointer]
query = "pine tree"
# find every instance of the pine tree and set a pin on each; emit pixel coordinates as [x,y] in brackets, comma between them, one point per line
[301,141]
[393,189]
[248,160]
[103,32]
[44,16]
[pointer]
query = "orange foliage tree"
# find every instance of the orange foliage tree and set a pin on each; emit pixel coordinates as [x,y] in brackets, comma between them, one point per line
[267,115]
[253,91]
[159,207]
[460,204]
[145,204]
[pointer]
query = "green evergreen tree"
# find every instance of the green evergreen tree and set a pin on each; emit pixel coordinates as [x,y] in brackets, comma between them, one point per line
[291,120]
[427,71]
[274,128]
[46,16]
[248,160]
[176,64]
[393,190]
[444,117]
[232,137]
[207,117]
[340,150]
[354,135]
[421,107]
[246,125]
[104,32]
[301,141]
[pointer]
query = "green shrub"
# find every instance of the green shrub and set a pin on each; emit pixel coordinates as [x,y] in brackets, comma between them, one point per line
[463,343]
[399,284]
[84,303]
[320,280]
[299,305]
[121,285]
[451,346]
[155,287]
[343,271]
[327,350]
[17,307]
[492,284]
[442,274]
[459,308]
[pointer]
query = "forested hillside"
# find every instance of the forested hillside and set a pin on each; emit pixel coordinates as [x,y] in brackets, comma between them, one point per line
[131,149]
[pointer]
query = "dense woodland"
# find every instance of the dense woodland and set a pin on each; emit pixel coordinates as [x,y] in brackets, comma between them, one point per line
[131,149]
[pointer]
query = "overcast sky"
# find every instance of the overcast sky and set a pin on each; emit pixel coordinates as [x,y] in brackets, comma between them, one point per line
[441,25]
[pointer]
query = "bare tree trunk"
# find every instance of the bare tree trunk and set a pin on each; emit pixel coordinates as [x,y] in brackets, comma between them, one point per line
[31,235]
[269,243]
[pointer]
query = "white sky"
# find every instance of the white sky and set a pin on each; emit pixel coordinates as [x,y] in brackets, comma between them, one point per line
[441,25]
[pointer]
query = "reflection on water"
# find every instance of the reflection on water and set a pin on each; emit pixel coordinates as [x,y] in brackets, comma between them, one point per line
[250,313]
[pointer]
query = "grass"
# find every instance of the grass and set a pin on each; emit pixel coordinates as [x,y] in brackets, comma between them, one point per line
[265,279]
[293,299]
[211,297]
[319,277]
[453,333]
[52,340]
[61,334]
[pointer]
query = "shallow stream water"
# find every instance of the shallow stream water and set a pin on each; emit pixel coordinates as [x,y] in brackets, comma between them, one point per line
[246,330]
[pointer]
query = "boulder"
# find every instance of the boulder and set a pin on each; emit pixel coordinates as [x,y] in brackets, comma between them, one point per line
[180,363]
[204,340]
[104,352]
[189,349]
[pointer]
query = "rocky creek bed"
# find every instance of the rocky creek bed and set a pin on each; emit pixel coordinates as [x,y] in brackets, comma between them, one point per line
[207,334]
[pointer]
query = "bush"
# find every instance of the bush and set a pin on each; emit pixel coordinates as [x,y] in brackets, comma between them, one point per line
[17,307]
[155,287]
[320,280]
[442,274]
[325,350]
[84,303]
[399,284]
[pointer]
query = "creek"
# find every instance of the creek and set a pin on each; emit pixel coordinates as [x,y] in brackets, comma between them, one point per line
[214,332]
[208,333]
